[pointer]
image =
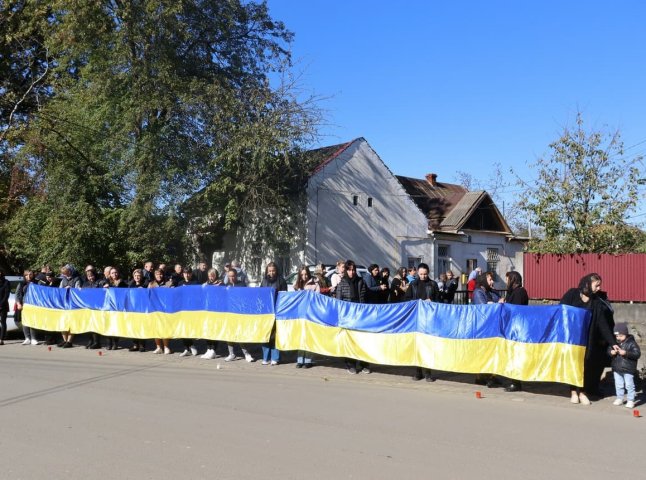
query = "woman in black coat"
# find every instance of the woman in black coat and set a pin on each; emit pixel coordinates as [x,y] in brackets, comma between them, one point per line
[588,295]
[516,295]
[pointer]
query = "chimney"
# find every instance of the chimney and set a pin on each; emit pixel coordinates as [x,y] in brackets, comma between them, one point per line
[432,179]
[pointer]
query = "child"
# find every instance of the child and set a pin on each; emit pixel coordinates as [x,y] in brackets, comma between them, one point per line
[624,364]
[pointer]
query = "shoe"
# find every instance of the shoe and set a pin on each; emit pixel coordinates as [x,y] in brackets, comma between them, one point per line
[88,346]
[308,365]
[618,402]
[59,344]
[418,375]
[274,363]
[366,370]
[114,347]
[574,398]
[513,387]
[185,353]
[67,345]
[194,351]
[265,362]
[480,380]
[34,341]
[583,398]
[134,348]
[429,378]
[158,351]
[249,358]
[27,341]
[230,358]
[491,383]
[95,346]
[352,370]
[630,404]
[299,365]
[142,348]
[209,355]
[167,351]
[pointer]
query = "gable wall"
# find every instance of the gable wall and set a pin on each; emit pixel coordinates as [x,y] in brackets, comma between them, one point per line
[337,229]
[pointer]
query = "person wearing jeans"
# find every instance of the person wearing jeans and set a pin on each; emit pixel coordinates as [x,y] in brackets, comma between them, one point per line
[624,365]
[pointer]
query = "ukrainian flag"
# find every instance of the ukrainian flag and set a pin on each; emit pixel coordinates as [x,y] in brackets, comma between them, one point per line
[532,343]
[217,313]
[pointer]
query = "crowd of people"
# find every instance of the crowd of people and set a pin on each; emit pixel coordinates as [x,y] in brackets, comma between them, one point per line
[607,342]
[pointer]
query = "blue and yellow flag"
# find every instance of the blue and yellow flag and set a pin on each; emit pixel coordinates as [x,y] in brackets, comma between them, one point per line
[532,343]
[217,313]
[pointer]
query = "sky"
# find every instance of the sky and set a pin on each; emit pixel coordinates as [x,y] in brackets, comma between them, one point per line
[448,86]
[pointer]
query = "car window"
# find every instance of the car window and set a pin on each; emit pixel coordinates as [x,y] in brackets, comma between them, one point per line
[14,285]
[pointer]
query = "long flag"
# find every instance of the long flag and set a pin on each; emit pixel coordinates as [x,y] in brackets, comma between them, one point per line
[218,313]
[532,343]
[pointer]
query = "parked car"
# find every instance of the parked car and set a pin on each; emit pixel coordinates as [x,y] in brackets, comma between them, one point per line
[11,323]
[330,270]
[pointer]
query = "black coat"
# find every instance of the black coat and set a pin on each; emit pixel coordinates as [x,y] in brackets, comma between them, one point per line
[5,290]
[278,283]
[600,335]
[418,290]
[351,290]
[628,362]
[518,296]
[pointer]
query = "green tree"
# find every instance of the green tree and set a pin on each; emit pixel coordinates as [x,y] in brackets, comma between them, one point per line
[585,191]
[150,102]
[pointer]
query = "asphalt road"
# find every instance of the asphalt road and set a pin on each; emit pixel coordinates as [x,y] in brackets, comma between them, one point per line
[73,414]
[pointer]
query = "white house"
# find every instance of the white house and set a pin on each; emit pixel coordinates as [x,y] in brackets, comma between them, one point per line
[358,209]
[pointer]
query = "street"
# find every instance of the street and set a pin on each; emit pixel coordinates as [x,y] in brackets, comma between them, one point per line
[76,414]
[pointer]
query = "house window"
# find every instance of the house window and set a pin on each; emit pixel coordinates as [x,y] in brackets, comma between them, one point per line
[414,261]
[355,200]
[443,259]
[493,258]
[370,202]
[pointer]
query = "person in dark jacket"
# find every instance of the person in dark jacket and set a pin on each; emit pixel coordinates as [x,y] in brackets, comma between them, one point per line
[21,291]
[91,280]
[373,285]
[352,288]
[201,273]
[138,281]
[624,365]
[423,288]
[451,287]
[5,291]
[114,281]
[234,282]
[588,295]
[71,279]
[50,280]
[270,355]
[189,344]
[516,295]
[483,293]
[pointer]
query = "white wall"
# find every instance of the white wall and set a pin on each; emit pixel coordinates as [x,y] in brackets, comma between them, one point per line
[337,229]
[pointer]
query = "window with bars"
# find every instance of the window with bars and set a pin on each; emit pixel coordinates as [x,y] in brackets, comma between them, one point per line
[493,257]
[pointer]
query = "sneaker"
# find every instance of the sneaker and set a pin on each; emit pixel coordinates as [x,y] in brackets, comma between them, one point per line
[35,342]
[583,398]
[366,370]
[230,358]
[209,355]
[67,345]
[630,404]
[27,341]
[185,353]
[274,362]
[249,358]
[194,351]
[352,370]
[265,362]
[158,351]
[574,398]
[618,401]
[167,351]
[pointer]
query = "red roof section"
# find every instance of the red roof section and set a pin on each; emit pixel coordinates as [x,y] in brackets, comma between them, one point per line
[327,154]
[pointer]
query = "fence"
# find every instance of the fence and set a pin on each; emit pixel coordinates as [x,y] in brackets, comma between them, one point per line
[549,276]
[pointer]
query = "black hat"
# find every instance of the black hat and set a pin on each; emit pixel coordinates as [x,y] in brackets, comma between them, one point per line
[621,329]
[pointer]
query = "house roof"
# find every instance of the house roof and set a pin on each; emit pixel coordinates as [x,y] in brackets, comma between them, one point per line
[436,201]
[320,157]
[449,207]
